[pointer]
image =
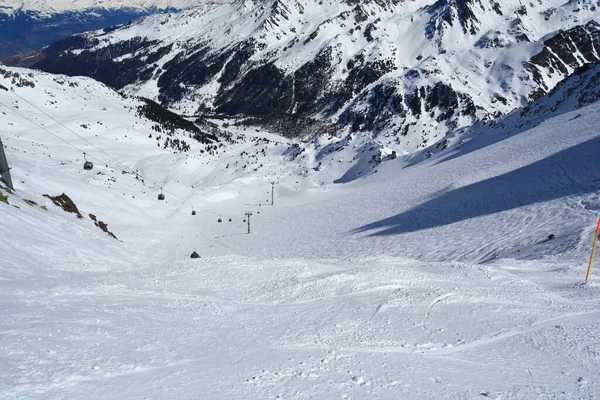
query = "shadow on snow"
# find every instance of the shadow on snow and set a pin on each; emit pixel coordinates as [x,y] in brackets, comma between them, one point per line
[575,170]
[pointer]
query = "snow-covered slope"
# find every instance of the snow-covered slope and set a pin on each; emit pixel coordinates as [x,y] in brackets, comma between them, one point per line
[407,72]
[433,277]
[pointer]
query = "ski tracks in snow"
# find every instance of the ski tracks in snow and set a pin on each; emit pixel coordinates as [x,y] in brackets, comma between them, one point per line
[378,327]
[445,349]
[433,303]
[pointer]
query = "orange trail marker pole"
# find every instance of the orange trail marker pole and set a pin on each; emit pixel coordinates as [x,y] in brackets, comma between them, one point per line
[593,248]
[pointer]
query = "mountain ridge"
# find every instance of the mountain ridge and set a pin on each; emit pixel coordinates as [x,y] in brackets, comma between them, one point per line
[40,8]
[26,25]
[408,73]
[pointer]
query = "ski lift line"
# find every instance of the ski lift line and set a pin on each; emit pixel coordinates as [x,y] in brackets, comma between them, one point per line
[58,137]
[50,132]
[96,147]
[187,202]
[70,130]
[88,142]
[94,157]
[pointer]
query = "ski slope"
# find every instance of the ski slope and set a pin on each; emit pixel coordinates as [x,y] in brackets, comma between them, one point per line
[421,277]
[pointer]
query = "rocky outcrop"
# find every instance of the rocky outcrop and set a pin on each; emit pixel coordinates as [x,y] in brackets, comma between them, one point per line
[564,52]
[102,225]
[63,201]
[103,64]
[450,12]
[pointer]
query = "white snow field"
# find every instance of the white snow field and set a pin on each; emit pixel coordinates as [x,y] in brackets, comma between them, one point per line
[431,278]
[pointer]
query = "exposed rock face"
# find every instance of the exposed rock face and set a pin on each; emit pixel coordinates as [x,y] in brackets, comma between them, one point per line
[101,64]
[565,52]
[63,201]
[578,90]
[404,71]
[102,225]
[447,13]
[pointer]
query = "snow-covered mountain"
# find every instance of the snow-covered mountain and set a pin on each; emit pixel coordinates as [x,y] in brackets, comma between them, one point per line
[47,7]
[101,109]
[406,72]
[26,25]
[399,285]
[578,90]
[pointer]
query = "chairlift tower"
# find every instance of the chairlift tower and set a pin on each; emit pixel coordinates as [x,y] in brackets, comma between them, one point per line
[248,214]
[273,192]
[4,168]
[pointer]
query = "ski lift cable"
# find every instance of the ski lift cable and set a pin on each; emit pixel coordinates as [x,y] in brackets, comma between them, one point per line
[90,143]
[64,140]
[121,165]
[70,130]
[94,157]
[50,132]
[93,145]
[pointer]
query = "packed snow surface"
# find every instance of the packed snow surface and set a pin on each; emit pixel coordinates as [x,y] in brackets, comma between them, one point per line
[429,278]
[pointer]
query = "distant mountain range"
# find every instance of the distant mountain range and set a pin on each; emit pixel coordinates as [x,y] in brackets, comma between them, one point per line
[26,25]
[48,8]
[405,72]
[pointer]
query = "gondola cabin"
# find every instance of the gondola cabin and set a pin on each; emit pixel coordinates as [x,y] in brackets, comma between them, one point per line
[87,165]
